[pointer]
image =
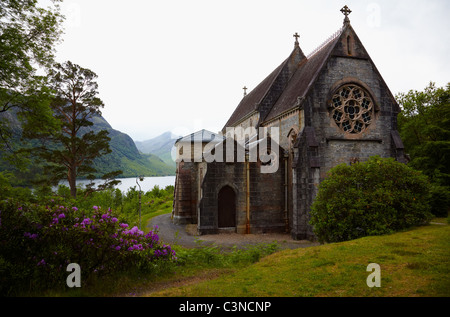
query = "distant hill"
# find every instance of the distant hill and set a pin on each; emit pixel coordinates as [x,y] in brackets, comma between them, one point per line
[124,156]
[160,146]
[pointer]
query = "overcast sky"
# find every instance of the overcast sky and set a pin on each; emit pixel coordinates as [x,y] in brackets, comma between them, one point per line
[180,65]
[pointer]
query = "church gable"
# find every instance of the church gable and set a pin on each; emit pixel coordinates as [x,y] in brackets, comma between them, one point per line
[349,46]
[301,81]
[263,97]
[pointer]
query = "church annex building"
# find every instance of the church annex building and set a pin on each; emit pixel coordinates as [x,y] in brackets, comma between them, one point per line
[309,115]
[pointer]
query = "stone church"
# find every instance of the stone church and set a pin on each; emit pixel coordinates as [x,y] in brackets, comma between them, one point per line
[327,108]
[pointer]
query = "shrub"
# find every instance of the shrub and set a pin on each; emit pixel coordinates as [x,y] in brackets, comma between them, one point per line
[37,242]
[375,197]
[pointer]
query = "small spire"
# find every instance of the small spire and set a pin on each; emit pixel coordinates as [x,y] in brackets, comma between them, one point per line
[346,11]
[245,91]
[296,38]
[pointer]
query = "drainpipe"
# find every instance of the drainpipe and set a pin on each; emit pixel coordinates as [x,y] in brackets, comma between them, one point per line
[247,225]
[286,188]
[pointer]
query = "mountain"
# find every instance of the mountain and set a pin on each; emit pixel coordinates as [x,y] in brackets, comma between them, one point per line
[124,156]
[160,146]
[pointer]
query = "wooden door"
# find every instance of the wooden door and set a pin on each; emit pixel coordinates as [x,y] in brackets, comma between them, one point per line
[227,207]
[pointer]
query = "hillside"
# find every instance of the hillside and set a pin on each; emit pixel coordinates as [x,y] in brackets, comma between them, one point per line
[413,263]
[160,146]
[124,156]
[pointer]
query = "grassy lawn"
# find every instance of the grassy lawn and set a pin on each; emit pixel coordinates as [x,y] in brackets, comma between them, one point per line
[413,263]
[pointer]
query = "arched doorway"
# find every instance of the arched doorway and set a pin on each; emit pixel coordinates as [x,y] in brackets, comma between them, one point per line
[226,207]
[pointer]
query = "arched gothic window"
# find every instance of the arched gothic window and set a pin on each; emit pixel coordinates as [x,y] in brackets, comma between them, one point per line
[349,45]
[352,108]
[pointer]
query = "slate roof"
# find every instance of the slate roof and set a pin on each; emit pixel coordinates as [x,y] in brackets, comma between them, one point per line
[251,101]
[201,136]
[302,79]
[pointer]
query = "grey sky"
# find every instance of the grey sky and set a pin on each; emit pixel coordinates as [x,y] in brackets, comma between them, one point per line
[180,65]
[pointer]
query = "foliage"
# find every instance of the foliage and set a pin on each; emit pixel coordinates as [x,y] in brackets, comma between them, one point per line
[424,125]
[6,190]
[28,34]
[37,242]
[70,150]
[375,197]
[209,256]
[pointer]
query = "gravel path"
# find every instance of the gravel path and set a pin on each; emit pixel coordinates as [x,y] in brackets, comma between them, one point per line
[185,235]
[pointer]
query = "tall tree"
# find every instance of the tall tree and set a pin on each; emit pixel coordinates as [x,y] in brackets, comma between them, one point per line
[424,125]
[28,34]
[70,150]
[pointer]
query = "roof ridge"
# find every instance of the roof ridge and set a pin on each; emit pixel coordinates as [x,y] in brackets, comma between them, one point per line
[326,42]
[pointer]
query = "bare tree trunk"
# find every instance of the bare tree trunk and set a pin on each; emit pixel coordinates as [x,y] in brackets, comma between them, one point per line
[72,179]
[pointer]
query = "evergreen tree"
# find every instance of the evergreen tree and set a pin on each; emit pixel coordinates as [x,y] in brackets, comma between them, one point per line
[70,150]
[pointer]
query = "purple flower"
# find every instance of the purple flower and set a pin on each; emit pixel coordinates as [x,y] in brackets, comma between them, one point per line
[118,248]
[123,225]
[74,208]
[95,207]
[86,221]
[113,219]
[62,216]
[31,236]
[41,262]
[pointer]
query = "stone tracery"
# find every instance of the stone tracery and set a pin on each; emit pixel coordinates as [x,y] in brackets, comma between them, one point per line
[352,109]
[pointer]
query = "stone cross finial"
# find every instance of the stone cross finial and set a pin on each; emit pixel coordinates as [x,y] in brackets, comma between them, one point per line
[296,38]
[245,91]
[346,11]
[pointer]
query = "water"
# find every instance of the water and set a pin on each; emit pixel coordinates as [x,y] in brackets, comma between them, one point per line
[147,184]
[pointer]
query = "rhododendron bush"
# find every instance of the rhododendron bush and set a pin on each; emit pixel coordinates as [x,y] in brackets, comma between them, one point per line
[37,242]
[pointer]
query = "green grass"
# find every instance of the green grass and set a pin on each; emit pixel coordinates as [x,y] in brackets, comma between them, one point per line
[413,263]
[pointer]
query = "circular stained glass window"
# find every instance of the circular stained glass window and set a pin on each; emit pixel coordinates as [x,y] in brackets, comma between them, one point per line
[352,109]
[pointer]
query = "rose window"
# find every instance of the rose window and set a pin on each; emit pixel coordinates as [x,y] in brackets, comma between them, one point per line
[352,109]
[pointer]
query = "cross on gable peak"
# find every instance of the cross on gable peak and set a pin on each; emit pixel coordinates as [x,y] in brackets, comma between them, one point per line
[296,38]
[346,11]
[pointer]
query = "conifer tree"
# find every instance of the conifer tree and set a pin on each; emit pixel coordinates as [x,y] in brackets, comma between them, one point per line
[70,150]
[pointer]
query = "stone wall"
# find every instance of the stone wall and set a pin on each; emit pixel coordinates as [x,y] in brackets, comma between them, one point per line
[185,194]
[323,145]
[260,197]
